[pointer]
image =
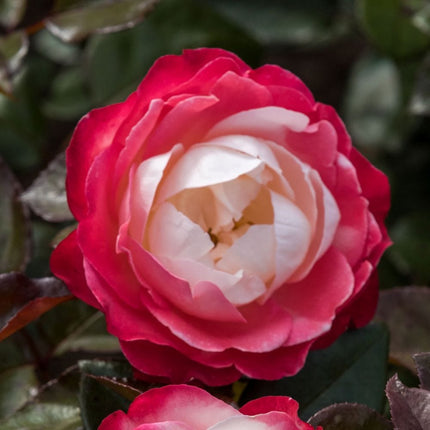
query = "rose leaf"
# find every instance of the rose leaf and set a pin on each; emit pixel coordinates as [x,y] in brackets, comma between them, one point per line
[47,195]
[351,416]
[16,387]
[405,311]
[411,235]
[98,400]
[420,101]
[114,375]
[13,48]
[410,407]
[22,300]
[389,25]
[422,362]
[102,17]
[372,102]
[353,369]
[53,406]
[11,12]
[14,224]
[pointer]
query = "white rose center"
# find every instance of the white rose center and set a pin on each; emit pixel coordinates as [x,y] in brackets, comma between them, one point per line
[238,211]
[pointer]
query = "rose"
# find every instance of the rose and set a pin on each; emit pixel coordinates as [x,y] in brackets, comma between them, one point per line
[225,223]
[177,407]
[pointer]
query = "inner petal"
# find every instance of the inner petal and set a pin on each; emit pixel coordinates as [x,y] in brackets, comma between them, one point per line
[204,165]
[172,234]
[254,252]
[293,236]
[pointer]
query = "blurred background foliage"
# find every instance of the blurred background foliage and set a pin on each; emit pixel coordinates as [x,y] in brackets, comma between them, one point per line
[370,59]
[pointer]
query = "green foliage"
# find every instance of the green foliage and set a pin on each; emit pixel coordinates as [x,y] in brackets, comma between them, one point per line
[353,369]
[389,25]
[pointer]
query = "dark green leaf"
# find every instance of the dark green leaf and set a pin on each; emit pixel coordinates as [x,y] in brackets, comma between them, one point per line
[23,300]
[409,406]
[52,406]
[389,25]
[405,311]
[98,401]
[353,369]
[350,416]
[47,195]
[65,324]
[43,235]
[91,336]
[180,24]
[114,375]
[13,352]
[422,362]
[69,98]
[411,236]
[23,139]
[45,416]
[116,63]
[373,101]
[278,21]
[55,49]
[13,49]
[421,18]
[102,17]
[17,387]
[109,369]
[14,224]
[11,12]
[420,100]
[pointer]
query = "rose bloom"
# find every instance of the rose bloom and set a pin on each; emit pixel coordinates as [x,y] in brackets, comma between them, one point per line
[225,223]
[184,407]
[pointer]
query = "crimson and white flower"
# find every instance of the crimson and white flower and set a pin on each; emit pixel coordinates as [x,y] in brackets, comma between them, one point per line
[225,223]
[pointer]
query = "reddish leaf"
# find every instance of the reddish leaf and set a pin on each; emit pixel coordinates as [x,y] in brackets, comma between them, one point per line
[410,407]
[351,416]
[422,362]
[406,312]
[22,300]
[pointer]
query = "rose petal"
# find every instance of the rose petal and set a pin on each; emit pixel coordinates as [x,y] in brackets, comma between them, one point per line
[118,420]
[67,262]
[210,303]
[144,182]
[183,403]
[101,125]
[164,361]
[172,234]
[204,165]
[238,288]
[254,253]
[270,122]
[273,75]
[313,301]
[293,234]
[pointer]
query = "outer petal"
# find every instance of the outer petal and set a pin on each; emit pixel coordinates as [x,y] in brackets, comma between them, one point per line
[330,283]
[94,133]
[159,360]
[272,75]
[117,421]
[182,403]
[266,404]
[67,264]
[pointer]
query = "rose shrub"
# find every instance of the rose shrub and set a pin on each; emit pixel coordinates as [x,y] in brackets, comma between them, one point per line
[225,223]
[184,407]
